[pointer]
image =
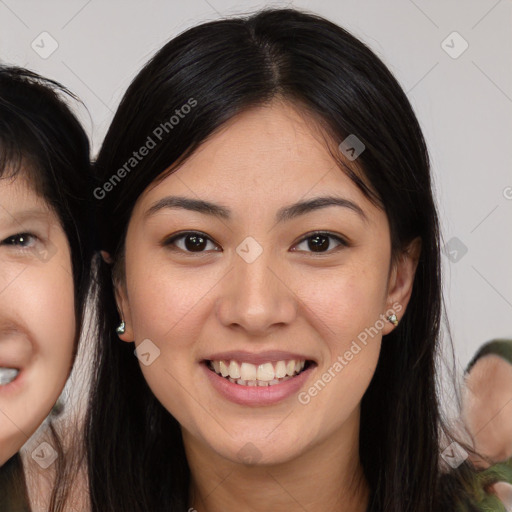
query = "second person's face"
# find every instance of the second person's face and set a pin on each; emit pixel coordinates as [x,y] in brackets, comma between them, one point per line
[37,316]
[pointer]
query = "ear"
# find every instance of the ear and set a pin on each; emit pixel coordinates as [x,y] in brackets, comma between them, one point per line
[123,307]
[401,279]
[106,257]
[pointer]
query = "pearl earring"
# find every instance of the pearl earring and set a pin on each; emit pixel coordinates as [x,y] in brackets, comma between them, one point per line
[393,319]
[121,328]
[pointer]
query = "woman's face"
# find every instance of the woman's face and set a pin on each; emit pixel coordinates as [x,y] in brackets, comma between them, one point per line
[239,287]
[37,319]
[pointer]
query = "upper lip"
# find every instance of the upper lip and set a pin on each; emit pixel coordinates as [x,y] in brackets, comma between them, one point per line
[257,358]
[16,350]
[10,363]
[14,359]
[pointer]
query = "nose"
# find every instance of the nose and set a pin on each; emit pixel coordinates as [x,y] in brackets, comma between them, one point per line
[256,297]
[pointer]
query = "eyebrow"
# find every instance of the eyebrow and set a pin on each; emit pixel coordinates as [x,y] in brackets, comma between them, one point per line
[283,214]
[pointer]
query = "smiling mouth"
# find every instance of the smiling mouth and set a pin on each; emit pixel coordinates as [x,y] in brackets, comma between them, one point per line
[266,374]
[7,375]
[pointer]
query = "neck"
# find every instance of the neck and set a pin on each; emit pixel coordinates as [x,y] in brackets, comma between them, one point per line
[328,476]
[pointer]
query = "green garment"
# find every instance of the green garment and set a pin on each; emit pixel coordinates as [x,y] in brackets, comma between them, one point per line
[13,490]
[501,472]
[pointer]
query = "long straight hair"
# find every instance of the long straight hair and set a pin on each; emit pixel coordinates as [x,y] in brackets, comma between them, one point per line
[222,68]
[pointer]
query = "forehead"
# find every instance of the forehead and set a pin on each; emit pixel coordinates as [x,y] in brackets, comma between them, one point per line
[265,155]
[274,142]
[19,194]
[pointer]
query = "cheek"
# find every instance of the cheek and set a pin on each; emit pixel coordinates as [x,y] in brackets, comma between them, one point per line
[169,307]
[168,302]
[40,304]
[345,308]
[345,302]
[52,320]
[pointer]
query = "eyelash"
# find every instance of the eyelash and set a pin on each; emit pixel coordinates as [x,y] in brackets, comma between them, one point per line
[342,243]
[10,239]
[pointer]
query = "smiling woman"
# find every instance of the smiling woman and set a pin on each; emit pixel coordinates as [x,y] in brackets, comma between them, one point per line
[45,259]
[282,242]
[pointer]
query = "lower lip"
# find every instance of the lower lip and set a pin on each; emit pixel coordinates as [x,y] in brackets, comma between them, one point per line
[257,395]
[14,386]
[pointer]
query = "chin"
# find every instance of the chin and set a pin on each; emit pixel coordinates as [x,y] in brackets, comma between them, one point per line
[255,451]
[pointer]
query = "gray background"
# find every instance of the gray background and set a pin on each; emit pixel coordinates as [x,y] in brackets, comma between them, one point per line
[464,105]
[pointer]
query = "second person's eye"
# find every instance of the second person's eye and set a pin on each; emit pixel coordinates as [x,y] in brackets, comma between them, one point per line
[20,240]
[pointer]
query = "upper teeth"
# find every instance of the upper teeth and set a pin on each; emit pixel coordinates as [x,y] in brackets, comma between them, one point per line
[265,372]
[7,375]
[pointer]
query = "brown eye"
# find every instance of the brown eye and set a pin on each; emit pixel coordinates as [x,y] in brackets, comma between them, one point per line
[195,242]
[318,243]
[190,242]
[321,242]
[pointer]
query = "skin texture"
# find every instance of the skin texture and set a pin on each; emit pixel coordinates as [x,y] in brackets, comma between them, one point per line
[487,412]
[488,406]
[37,319]
[290,298]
